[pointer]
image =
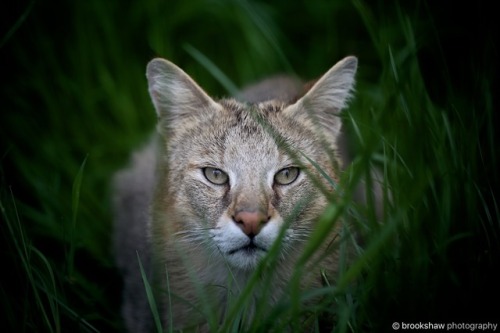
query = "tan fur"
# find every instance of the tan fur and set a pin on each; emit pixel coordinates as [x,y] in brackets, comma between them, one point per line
[191,234]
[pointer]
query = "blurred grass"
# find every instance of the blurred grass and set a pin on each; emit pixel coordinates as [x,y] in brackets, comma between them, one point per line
[74,94]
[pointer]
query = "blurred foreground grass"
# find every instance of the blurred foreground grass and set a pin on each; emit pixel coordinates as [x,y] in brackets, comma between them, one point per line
[75,103]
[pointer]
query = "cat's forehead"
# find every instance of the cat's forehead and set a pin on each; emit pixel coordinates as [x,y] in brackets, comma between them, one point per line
[260,126]
[248,124]
[245,134]
[263,108]
[255,122]
[260,135]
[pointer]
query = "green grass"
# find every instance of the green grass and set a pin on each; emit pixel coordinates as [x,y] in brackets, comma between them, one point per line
[75,103]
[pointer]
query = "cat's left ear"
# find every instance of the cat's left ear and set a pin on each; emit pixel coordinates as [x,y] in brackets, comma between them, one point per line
[322,104]
[176,97]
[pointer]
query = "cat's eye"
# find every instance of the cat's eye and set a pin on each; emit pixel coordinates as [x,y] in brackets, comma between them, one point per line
[215,176]
[286,176]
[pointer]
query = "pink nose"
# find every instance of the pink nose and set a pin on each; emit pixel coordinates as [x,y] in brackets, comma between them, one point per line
[250,222]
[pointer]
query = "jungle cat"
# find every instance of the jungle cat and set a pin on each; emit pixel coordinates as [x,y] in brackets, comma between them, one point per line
[203,203]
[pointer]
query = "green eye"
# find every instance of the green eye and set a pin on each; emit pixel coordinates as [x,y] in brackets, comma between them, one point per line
[286,176]
[216,176]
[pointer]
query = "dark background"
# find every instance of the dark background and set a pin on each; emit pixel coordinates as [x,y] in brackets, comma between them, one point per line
[74,97]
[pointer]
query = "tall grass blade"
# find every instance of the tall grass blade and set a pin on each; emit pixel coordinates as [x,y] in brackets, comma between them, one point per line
[230,87]
[150,296]
[75,201]
[8,35]
[24,253]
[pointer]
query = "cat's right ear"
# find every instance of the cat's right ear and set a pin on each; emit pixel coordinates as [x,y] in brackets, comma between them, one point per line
[176,97]
[322,104]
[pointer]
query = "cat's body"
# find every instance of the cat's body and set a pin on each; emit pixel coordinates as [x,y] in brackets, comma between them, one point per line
[205,201]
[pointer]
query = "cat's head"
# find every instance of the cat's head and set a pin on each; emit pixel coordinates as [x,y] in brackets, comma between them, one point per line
[238,173]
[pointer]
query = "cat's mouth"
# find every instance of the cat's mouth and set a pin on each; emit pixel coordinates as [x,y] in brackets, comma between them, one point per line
[248,249]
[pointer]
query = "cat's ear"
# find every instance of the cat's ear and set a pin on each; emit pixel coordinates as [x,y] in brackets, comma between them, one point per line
[330,94]
[175,95]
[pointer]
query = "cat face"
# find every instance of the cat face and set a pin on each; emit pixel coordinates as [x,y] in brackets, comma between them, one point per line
[242,184]
[240,175]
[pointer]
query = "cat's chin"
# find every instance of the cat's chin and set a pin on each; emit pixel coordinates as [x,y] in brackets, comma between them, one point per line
[246,257]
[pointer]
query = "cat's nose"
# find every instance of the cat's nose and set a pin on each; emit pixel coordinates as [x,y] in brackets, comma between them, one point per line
[251,222]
